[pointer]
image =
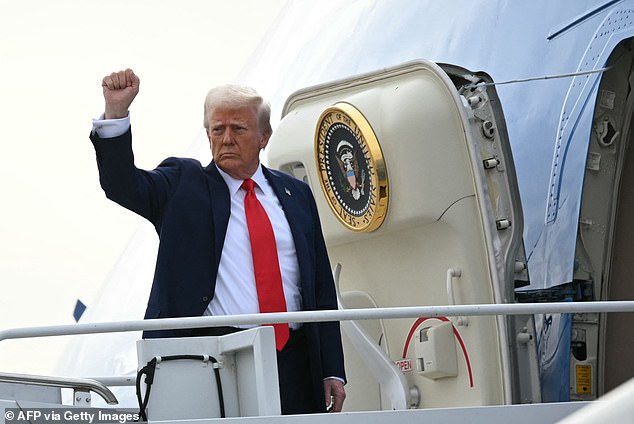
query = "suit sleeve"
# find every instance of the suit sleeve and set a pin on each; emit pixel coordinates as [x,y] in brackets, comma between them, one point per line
[143,192]
[326,297]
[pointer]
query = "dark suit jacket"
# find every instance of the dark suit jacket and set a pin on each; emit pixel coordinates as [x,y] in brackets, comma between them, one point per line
[189,205]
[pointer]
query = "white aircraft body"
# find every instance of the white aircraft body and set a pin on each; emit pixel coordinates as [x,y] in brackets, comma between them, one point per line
[461,153]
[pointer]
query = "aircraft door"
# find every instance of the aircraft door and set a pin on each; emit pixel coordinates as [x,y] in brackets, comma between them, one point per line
[415,185]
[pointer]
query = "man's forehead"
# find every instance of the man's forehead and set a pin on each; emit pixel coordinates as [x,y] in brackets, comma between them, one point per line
[221,114]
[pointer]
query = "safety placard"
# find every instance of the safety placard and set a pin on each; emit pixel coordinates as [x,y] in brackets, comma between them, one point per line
[583,378]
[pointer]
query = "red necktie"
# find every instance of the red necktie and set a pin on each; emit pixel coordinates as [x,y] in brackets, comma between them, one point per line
[268,279]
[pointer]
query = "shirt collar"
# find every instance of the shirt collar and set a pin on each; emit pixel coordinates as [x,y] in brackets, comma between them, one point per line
[234,184]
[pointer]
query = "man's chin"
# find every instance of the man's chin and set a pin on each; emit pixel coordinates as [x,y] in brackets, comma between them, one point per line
[232,167]
[226,163]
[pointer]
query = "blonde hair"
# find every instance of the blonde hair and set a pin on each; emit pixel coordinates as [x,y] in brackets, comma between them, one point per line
[238,96]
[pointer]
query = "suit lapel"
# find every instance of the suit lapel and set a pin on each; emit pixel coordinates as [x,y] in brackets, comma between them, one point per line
[291,205]
[285,196]
[220,203]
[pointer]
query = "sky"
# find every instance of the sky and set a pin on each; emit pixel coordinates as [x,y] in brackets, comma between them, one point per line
[59,236]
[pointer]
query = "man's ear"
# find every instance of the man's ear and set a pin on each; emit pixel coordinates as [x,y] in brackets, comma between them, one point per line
[266,135]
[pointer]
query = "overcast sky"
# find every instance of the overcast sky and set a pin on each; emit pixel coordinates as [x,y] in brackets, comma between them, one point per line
[59,235]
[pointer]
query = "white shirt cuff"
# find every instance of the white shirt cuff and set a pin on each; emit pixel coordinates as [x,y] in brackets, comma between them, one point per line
[108,128]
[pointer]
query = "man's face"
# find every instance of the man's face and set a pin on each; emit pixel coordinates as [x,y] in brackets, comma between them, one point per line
[236,140]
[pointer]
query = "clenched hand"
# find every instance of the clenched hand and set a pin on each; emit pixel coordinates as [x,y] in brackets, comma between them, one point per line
[119,90]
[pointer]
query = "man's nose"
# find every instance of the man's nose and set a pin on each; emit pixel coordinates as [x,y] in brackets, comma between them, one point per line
[227,137]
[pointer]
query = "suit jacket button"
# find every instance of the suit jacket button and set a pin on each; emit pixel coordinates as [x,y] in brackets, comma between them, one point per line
[205,299]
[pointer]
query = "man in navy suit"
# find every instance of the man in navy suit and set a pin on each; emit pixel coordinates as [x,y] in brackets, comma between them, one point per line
[204,264]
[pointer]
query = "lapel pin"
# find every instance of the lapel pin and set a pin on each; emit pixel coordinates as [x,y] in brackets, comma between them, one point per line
[288,192]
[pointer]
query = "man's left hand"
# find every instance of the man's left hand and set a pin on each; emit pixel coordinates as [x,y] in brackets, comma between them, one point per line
[335,394]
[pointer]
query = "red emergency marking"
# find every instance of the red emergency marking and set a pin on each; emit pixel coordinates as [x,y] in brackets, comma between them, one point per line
[419,321]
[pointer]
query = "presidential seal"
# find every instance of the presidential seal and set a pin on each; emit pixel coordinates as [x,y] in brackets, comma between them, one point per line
[351,168]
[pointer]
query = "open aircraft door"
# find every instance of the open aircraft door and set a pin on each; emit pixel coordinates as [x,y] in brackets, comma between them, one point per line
[415,185]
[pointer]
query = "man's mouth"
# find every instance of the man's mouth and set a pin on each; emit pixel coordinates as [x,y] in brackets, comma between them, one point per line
[227,155]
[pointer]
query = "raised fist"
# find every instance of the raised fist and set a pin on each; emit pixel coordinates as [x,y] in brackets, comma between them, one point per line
[119,90]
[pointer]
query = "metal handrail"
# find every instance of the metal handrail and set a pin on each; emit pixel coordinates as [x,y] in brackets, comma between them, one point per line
[319,316]
[110,381]
[82,384]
